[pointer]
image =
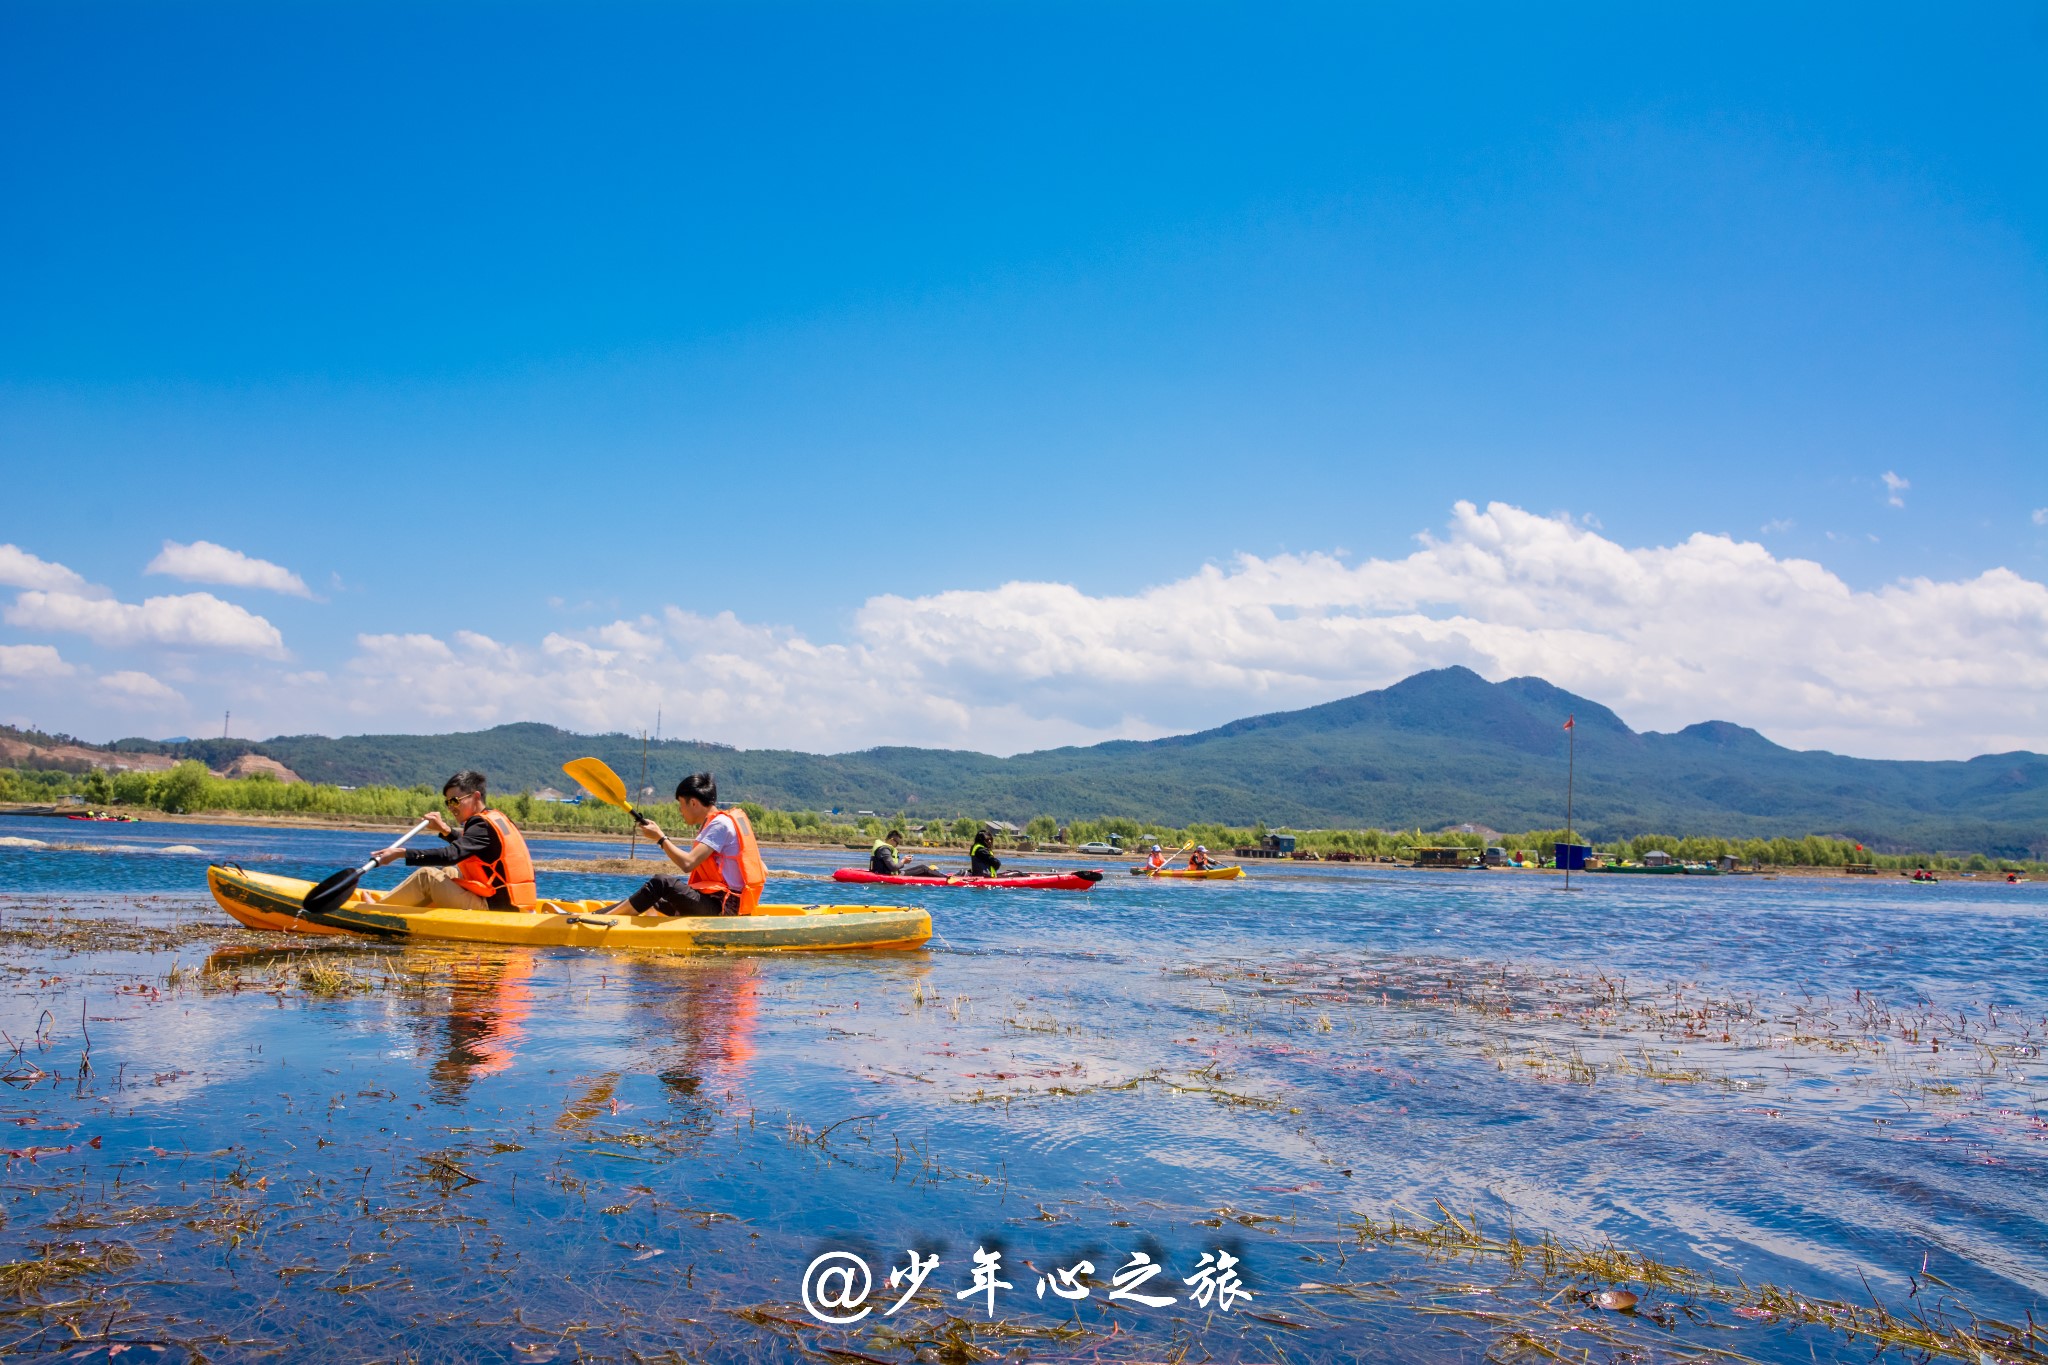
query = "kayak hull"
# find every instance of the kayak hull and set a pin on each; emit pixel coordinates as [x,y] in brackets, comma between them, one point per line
[1061,881]
[1207,874]
[262,901]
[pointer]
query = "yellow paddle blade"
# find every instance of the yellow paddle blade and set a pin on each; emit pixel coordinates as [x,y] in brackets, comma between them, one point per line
[595,776]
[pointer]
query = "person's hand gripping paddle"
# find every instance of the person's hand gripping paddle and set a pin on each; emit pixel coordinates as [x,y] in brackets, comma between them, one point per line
[328,896]
[595,776]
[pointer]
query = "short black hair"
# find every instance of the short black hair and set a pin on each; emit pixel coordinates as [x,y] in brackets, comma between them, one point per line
[698,787]
[893,834]
[469,782]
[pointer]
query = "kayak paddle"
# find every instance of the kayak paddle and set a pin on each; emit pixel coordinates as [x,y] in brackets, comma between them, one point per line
[329,895]
[595,776]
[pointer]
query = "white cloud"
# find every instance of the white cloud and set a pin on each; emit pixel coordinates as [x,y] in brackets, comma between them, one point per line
[20,569]
[1894,486]
[2041,516]
[205,562]
[1778,526]
[642,637]
[132,689]
[25,662]
[124,691]
[1708,628]
[196,619]
[396,647]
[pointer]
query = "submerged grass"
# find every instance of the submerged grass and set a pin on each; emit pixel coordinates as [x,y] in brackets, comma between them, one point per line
[1549,1261]
[41,928]
[61,1263]
[1559,1025]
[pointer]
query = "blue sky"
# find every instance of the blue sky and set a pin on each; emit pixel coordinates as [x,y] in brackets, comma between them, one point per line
[642,314]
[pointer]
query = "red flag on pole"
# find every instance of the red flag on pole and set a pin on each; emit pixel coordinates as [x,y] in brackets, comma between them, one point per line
[1568,721]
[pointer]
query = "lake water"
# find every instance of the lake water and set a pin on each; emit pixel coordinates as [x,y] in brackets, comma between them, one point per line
[1795,1098]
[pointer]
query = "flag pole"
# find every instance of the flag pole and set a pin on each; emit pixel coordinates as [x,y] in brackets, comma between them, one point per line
[1571,769]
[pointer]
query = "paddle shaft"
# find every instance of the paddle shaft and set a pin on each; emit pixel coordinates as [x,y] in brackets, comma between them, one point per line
[403,839]
[332,892]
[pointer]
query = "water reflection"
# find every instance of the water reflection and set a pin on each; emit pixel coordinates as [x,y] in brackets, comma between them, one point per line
[708,1011]
[489,998]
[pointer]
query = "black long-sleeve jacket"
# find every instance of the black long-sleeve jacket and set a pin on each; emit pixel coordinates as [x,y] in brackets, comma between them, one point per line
[476,839]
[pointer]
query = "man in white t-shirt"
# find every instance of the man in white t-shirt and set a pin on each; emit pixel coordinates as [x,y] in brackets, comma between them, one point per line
[695,892]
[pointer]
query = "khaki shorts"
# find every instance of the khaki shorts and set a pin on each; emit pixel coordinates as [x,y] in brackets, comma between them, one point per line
[433,887]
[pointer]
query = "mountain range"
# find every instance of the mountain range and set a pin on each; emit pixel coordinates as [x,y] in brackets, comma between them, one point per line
[1440,748]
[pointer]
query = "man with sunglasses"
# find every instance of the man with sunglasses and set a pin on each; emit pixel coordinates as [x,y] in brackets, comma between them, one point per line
[485,865]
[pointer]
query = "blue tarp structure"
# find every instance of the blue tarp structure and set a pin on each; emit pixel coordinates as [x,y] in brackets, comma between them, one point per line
[1572,857]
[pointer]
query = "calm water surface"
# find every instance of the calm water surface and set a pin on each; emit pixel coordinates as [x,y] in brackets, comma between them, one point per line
[240,1152]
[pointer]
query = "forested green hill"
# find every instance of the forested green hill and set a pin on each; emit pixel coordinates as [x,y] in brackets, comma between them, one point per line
[1440,748]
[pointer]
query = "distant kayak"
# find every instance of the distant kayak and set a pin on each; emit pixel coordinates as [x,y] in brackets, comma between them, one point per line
[1051,881]
[99,815]
[1207,874]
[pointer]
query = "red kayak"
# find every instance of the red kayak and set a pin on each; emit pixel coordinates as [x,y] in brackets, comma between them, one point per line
[1059,881]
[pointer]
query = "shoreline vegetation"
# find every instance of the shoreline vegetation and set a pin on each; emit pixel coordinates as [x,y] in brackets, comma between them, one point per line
[189,791]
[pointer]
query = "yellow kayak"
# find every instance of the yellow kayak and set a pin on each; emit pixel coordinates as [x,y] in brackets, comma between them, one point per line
[262,901]
[1207,874]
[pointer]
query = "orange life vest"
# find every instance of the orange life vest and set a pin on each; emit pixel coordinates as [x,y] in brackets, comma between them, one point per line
[512,873]
[1157,860]
[707,879]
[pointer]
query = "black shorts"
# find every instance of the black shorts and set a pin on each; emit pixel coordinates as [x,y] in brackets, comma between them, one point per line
[675,896]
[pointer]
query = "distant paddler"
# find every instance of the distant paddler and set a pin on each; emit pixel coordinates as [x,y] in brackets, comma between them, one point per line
[981,857]
[484,866]
[885,859]
[722,869]
[1199,860]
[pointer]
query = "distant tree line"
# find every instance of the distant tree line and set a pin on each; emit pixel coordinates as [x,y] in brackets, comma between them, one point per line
[189,789]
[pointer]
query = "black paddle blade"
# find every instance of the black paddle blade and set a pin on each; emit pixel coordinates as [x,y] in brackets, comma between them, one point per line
[328,896]
[1089,875]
